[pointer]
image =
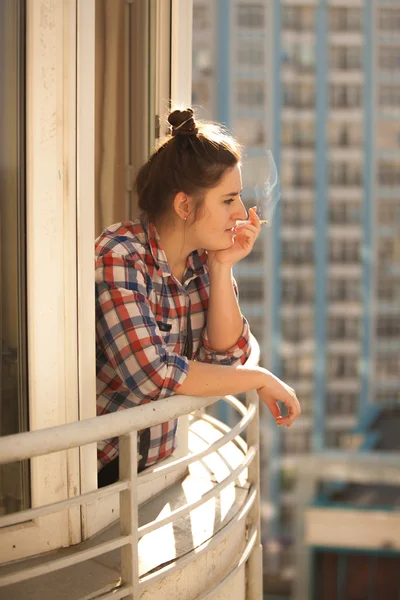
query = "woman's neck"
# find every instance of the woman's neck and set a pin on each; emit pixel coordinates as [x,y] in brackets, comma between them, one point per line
[175,246]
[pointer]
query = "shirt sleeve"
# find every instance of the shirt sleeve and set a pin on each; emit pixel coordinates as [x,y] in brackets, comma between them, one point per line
[127,331]
[238,354]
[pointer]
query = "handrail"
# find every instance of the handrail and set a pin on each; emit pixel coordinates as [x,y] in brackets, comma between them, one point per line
[22,446]
[126,424]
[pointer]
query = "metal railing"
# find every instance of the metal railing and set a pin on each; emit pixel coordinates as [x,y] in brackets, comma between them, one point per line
[125,424]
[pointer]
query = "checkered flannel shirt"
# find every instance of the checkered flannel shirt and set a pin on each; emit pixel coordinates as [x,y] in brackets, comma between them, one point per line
[141,327]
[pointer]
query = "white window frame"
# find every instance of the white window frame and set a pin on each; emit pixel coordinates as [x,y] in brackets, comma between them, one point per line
[51,270]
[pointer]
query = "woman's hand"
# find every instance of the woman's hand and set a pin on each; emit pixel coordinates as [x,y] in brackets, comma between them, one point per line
[246,233]
[276,390]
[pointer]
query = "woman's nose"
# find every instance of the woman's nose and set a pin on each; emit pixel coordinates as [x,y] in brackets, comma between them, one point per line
[241,212]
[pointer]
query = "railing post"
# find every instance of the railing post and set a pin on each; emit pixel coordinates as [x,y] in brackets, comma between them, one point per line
[129,524]
[254,566]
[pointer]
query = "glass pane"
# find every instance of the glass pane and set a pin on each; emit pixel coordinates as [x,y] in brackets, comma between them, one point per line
[14,478]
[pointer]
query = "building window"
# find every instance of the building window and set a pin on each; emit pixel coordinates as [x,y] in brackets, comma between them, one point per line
[201,16]
[342,366]
[298,252]
[297,95]
[299,56]
[298,18]
[345,96]
[251,132]
[295,291]
[344,290]
[298,134]
[345,19]
[345,174]
[389,58]
[388,289]
[388,326]
[389,96]
[298,213]
[251,53]
[298,367]
[389,172]
[341,403]
[344,213]
[298,330]
[389,19]
[251,16]
[387,366]
[344,328]
[346,57]
[250,94]
[251,290]
[296,442]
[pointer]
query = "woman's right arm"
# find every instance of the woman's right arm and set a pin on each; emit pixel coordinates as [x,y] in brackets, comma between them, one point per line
[206,379]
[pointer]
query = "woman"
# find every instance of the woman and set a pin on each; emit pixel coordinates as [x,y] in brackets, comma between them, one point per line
[168,319]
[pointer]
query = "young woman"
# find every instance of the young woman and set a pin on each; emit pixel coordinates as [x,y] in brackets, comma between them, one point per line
[168,319]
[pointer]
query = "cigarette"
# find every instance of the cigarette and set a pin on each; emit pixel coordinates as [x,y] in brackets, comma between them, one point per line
[263,221]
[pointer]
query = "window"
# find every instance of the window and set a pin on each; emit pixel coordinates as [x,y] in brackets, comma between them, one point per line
[344,251]
[344,328]
[298,330]
[346,57]
[344,290]
[298,95]
[251,290]
[295,291]
[342,366]
[389,172]
[387,366]
[388,326]
[298,367]
[250,94]
[389,58]
[300,212]
[251,53]
[296,442]
[298,252]
[389,96]
[201,16]
[298,18]
[345,19]
[344,213]
[389,20]
[341,403]
[251,16]
[251,132]
[388,289]
[299,56]
[14,478]
[345,96]
[298,134]
[345,174]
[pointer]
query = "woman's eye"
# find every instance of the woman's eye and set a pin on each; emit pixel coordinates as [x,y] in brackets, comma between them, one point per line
[229,201]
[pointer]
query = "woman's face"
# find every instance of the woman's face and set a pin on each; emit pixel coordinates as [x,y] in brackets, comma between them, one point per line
[222,207]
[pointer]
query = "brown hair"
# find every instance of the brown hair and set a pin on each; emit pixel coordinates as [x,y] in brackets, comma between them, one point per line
[192,159]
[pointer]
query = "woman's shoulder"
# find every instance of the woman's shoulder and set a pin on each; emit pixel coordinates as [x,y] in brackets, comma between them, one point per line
[126,239]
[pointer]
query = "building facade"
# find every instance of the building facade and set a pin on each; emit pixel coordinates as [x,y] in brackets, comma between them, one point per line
[316,82]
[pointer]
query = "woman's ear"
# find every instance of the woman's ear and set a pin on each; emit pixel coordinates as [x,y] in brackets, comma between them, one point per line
[182,205]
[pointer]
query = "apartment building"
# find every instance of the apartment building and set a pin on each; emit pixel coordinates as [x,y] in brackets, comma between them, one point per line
[318,83]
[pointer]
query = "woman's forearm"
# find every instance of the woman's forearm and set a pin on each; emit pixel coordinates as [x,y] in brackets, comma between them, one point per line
[224,319]
[206,379]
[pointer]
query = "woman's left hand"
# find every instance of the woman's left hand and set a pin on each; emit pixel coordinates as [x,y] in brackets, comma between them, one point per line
[246,233]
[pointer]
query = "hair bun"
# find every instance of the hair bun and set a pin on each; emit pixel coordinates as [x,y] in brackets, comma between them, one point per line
[182,122]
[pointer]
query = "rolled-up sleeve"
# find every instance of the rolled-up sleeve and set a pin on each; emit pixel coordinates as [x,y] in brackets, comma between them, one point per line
[239,353]
[127,331]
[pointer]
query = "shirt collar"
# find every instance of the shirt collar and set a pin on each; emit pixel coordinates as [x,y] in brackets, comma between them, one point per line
[196,261]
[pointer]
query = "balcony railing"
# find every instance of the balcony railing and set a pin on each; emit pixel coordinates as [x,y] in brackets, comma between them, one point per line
[125,424]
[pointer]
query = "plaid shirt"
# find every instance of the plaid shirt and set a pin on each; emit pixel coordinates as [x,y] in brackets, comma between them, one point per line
[142,323]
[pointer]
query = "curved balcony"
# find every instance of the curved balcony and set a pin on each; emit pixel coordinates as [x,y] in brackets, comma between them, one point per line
[199,537]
